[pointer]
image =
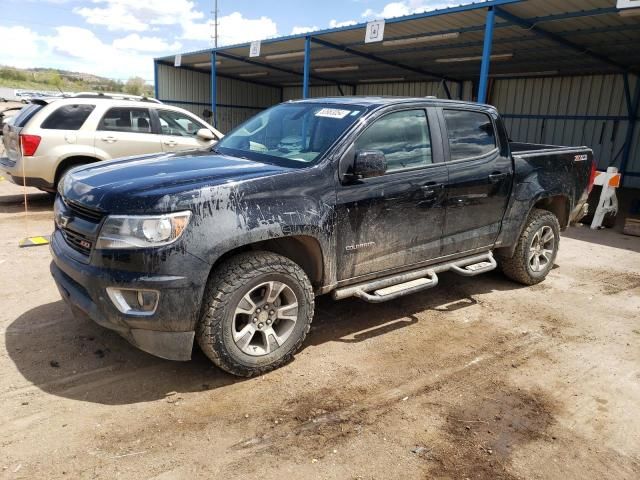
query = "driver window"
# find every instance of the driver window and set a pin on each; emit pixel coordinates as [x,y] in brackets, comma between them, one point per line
[403,137]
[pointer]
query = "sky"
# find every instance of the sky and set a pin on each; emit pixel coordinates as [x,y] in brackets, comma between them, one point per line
[119,38]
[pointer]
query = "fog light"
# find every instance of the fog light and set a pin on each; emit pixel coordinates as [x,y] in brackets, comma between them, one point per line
[134,302]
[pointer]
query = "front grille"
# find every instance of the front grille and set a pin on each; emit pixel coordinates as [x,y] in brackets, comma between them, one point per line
[77,241]
[85,213]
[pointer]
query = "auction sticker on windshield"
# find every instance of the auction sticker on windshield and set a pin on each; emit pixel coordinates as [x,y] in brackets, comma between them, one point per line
[332,113]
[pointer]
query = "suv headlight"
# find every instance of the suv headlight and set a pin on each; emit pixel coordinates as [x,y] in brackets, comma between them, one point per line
[142,231]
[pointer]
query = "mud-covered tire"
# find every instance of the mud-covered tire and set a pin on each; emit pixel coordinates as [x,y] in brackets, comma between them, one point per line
[518,267]
[227,286]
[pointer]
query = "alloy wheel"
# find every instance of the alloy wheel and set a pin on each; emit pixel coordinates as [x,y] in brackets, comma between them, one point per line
[541,249]
[265,318]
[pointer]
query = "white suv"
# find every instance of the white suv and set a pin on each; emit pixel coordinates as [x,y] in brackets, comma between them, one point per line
[50,136]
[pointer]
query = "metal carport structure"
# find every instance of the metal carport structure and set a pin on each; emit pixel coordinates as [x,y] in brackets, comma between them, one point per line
[562,72]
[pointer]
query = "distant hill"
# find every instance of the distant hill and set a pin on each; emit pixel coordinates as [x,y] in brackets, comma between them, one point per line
[55,79]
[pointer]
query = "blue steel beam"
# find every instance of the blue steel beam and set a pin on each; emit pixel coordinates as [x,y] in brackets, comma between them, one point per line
[416,16]
[531,26]
[155,79]
[276,68]
[208,104]
[375,58]
[214,89]
[503,41]
[474,6]
[307,67]
[627,93]
[221,75]
[486,55]
[633,118]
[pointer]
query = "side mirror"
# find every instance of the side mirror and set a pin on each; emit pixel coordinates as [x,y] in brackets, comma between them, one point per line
[206,134]
[369,163]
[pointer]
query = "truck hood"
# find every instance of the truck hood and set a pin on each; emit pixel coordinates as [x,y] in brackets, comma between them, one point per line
[137,184]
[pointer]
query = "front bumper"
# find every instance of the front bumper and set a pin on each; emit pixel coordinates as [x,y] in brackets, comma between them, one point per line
[168,332]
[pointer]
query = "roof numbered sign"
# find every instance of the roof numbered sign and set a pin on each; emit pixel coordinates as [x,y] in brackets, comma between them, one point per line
[628,4]
[254,49]
[375,31]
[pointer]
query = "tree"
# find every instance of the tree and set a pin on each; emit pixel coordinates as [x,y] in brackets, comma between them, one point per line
[54,79]
[135,86]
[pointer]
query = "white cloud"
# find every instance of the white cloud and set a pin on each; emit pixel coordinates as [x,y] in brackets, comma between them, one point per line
[79,49]
[300,30]
[408,7]
[133,41]
[297,30]
[147,15]
[139,16]
[232,28]
[82,49]
[337,24]
[23,49]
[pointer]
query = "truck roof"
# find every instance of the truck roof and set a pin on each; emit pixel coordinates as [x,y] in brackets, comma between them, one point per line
[371,101]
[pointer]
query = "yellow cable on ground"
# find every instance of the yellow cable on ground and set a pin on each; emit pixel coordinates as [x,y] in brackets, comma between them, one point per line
[24,190]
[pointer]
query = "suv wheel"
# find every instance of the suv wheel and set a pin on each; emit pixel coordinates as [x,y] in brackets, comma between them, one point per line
[257,310]
[536,249]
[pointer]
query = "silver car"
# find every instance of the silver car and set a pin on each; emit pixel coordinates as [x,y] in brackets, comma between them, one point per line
[50,136]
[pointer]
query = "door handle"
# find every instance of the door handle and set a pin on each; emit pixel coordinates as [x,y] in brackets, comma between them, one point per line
[170,143]
[109,139]
[496,177]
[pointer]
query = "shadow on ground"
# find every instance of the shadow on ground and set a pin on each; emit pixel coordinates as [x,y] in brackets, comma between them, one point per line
[36,202]
[75,358]
[607,237]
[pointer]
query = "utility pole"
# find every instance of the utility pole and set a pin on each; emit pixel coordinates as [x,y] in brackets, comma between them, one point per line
[214,14]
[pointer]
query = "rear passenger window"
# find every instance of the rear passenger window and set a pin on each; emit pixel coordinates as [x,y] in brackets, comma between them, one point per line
[471,134]
[125,119]
[403,137]
[68,117]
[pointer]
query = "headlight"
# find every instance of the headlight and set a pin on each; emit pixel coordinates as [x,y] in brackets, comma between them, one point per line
[142,231]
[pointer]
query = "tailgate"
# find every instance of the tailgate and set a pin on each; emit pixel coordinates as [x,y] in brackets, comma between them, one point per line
[11,141]
[11,136]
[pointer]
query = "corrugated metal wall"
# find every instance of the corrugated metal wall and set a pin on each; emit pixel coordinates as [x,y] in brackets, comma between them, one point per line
[586,110]
[410,89]
[405,89]
[295,93]
[237,100]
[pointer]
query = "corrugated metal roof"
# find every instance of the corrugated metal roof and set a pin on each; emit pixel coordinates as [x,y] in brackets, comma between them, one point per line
[532,35]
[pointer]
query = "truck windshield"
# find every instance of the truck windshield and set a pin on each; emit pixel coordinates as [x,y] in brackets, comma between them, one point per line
[298,133]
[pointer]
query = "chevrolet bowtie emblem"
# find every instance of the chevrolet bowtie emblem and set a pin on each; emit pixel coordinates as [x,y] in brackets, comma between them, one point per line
[63,221]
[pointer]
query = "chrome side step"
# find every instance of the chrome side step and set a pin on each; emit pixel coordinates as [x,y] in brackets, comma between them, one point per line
[395,286]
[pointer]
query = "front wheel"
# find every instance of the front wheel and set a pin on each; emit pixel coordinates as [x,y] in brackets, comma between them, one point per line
[257,310]
[536,250]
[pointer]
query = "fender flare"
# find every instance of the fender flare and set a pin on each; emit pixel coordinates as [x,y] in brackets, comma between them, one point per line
[525,197]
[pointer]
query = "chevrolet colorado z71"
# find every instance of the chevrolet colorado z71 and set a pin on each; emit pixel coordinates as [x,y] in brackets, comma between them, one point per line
[364,197]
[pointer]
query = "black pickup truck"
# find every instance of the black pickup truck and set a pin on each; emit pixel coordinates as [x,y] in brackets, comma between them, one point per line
[364,197]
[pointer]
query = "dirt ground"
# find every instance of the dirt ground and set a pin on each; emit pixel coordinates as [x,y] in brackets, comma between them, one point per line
[480,379]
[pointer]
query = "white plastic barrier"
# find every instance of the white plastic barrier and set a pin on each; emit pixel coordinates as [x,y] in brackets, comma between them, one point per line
[608,203]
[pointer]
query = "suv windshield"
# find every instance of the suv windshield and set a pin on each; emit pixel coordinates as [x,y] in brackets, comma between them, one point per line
[299,133]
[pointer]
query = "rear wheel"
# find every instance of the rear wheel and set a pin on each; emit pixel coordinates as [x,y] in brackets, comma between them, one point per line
[257,310]
[536,249]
